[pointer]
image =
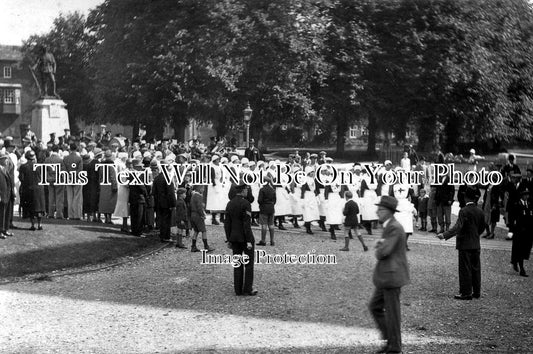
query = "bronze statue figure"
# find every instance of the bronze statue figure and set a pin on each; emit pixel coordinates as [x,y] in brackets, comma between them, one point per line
[45,67]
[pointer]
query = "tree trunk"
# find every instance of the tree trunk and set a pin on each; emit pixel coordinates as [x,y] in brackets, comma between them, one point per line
[136,126]
[372,127]
[342,127]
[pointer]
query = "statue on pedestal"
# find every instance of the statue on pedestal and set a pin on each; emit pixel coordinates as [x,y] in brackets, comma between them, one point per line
[43,72]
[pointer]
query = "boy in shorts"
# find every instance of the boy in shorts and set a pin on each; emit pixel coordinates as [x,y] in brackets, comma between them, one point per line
[351,211]
[198,218]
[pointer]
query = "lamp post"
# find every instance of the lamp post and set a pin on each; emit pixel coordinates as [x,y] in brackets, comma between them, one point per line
[247,117]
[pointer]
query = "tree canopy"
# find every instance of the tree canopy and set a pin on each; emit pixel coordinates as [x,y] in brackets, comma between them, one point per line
[456,71]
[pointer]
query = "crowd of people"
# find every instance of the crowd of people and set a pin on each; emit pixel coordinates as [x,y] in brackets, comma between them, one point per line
[424,206]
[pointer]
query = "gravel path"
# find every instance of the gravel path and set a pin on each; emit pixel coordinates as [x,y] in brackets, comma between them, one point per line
[168,303]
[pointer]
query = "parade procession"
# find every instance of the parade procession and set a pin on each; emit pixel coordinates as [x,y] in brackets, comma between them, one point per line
[237,176]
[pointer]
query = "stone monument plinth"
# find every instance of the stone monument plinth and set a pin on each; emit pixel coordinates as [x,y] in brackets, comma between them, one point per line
[49,115]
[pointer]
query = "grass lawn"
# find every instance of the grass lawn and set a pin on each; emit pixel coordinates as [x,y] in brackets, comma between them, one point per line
[65,244]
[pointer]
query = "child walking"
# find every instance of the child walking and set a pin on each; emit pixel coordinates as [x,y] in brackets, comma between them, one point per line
[351,211]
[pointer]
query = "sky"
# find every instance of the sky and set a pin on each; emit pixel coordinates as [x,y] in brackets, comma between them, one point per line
[21,18]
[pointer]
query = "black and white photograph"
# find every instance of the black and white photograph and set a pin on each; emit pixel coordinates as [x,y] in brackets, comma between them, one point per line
[266,176]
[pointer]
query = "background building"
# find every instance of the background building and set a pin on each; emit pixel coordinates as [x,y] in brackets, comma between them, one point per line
[16,92]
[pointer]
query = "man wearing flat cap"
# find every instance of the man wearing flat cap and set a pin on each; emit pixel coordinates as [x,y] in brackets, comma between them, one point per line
[240,238]
[252,153]
[469,226]
[390,274]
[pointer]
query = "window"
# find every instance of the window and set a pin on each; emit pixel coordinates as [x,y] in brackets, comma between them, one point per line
[7,72]
[9,96]
[353,132]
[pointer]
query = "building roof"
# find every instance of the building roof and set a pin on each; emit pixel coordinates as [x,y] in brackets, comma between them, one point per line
[10,52]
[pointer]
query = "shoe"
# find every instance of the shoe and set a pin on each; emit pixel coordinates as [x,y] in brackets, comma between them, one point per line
[441,231]
[490,237]
[194,249]
[281,227]
[296,226]
[515,267]
[250,293]
[344,249]
[365,248]
[2,237]
[523,273]
[7,233]
[309,232]
[32,228]
[178,245]
[261,243]
[476,296]
[209,249]
[39,228]
[272,243]
[462,297]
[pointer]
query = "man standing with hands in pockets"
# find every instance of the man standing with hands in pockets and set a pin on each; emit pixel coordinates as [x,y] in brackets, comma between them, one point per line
[240,238]
[390,274]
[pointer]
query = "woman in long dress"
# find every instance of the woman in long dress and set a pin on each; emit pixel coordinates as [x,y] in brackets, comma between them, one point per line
[31,193]
[108,193]
[123,193]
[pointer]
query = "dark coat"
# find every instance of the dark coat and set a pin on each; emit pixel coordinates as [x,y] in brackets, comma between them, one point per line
[392,269]
[91,191]
[6,186]
[164,193]
[233,192]
[266,199]
[470,224]
[237,220]
[444,194]
[522,235]
[108,193]
[351,209]
[253,154]
[31,193]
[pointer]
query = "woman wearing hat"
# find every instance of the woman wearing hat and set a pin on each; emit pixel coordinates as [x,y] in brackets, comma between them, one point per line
[108,193]
[522,236]
[31,193]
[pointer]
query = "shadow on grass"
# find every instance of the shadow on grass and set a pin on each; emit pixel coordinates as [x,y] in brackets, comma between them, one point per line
[76,254]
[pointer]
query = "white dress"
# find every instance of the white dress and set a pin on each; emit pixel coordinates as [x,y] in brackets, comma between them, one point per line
[296,201]
[369,209]
[310,203]
[335,206]
[217,196]
[122,208]
[405,214]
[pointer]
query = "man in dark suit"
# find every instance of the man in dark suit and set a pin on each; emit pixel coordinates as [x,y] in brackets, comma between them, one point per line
[390,274]
[164,200]
[252,153]
[137,199]
[241,240]
[469,226]
[6,196]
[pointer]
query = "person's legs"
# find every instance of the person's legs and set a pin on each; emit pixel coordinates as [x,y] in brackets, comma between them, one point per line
[465,274]
[476,272]
[377,310]
[393,318]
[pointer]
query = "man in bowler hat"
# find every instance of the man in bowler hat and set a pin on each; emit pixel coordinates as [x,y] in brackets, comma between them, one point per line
[390,274]
[240,238]
[469,226]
